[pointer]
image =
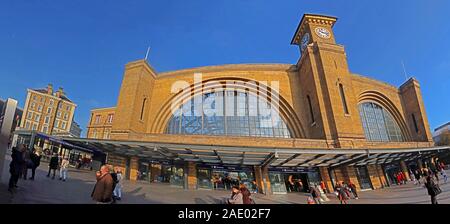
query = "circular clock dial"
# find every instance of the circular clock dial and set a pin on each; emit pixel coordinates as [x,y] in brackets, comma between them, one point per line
[305,41]
[323,32]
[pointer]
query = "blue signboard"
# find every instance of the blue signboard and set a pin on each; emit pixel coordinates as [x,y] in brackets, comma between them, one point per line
[292,169]
[224,167]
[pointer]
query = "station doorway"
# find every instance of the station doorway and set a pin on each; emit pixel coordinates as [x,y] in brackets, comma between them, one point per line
[292,180]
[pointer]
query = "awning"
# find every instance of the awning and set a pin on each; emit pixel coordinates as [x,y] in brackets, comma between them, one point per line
[260,156]
[52,139]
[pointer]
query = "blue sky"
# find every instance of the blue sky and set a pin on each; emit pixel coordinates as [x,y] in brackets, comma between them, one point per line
[84,45]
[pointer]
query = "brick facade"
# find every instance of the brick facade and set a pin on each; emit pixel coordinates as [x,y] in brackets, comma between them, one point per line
[321,75]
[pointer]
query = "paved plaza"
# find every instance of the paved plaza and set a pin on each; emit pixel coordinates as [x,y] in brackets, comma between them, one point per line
[81,182]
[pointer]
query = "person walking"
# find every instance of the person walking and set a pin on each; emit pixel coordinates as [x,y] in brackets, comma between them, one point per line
[246,199]
[102,192]
[341,194]
[236,196]
[28,164]
[53,165]
[36,159]
[417,176]
[315,194]
[15,167]
[63,169]
[444,174]
[352,187]
[254,187]
[432,187]
[118,189]
[322,185]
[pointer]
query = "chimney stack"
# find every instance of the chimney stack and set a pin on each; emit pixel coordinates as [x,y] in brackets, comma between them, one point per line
[60,92]
[50,89]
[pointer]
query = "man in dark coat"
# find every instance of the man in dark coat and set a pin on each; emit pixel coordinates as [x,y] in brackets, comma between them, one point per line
[54,162]
[103,189]
[15,167]
[36,159]
[432,187]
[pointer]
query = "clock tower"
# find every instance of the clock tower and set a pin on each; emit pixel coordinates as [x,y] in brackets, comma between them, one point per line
[314,28]
[325,85]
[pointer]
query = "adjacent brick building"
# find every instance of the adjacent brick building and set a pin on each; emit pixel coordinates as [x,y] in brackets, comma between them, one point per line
[48,111]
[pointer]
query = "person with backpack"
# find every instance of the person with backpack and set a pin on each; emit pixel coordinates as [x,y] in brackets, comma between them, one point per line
[432,187]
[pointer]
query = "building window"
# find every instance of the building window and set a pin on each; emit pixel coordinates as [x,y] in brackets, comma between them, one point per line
[34,127]
[47,120]
[97,119]
[33,105]
[231,113]
[416,128]
[63,125]
[49,110]
[57,124]
[311,112]
[37,117]
[68,108]
[27,125]
[41,99]
[106,135]
[40,108]
[29,115]
[110,118]
[378,124]
[58,114]
[51,102]
[66,116]
[44,129]
[34,97]
[143,107]
[344,101]
[60,106]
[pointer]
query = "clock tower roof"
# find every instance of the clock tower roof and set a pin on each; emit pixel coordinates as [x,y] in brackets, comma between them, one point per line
[314,19]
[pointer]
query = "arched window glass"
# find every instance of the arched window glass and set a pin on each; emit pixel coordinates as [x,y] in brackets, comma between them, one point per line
[378,124]
[228,112]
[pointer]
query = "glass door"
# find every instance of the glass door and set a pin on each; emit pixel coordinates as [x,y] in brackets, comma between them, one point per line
[204,179]
[277,183]
[363,177]
[177,177]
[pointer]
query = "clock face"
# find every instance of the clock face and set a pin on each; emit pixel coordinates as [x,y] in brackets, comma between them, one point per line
[322,32]
[305,41]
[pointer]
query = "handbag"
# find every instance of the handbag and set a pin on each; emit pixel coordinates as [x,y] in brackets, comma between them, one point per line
[437,190]
[29,163]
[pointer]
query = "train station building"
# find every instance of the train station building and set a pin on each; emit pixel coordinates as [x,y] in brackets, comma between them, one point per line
[265,124]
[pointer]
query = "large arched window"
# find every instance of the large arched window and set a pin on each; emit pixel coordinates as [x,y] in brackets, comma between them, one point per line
[378,124]
[228,112]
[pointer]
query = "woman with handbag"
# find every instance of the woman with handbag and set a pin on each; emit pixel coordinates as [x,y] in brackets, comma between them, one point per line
[432,188]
